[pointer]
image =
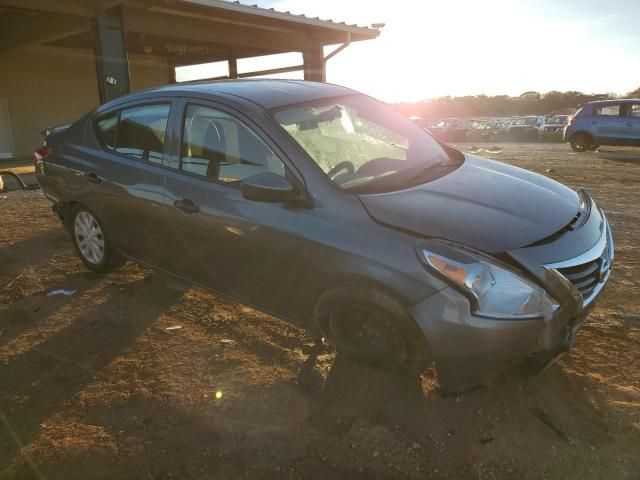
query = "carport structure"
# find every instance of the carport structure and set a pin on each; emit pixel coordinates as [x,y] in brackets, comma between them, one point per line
[54,48]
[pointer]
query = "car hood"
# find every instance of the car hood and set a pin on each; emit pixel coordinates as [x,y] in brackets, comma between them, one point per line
[484,204]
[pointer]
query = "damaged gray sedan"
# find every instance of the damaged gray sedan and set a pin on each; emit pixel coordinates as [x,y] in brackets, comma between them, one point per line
[324,206]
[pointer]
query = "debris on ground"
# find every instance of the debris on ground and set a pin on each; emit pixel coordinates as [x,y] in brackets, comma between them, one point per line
[173,328]
[227,341]
[66,293]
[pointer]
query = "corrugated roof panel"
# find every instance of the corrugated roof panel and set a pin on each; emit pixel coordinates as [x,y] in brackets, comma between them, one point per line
[286,16]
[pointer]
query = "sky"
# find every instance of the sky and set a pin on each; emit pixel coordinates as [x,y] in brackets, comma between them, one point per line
[434,48]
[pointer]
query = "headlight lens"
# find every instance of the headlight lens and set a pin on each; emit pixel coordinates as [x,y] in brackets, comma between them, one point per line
[496,292]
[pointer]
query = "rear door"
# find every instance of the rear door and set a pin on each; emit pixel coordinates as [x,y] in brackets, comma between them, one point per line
[217,237]
[608,123]
[125,175]
[632,124]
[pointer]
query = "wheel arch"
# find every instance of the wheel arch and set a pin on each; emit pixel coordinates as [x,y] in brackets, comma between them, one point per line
[584,132]
[370,292]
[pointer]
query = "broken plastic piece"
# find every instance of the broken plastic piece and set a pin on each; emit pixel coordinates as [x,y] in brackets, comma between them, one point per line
[66,293]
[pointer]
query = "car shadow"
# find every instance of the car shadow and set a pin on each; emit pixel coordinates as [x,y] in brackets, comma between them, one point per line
[31,251]
[37,382]
[351,391]
[625,156]
[30,311]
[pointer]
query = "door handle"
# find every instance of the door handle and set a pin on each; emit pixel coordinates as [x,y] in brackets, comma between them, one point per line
[629,124]
[186,205]
[92,178]
[595,123]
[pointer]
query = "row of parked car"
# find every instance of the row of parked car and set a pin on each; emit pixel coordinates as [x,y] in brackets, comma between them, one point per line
[606,122]
[527,128]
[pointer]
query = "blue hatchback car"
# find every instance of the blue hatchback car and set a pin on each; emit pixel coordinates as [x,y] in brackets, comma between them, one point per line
[608,122]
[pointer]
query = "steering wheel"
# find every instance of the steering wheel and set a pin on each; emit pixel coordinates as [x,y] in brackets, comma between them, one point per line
[344,165]
[380,165]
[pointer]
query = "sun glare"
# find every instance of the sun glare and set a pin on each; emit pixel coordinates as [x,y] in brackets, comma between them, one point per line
[466,47]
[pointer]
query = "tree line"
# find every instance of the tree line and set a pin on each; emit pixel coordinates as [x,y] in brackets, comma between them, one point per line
[529,103]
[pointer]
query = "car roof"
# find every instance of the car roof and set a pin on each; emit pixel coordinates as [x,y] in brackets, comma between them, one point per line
[614,102]
[267,93]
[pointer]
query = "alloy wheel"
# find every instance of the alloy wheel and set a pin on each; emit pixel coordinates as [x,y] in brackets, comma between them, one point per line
[89,237]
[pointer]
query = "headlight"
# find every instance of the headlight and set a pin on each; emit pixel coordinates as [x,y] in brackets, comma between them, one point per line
[494,291]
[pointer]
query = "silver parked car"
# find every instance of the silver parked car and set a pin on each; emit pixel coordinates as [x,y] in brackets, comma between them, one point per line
[608,122]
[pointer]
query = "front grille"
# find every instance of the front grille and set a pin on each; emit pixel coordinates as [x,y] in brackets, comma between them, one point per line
[584,277]
[589,271]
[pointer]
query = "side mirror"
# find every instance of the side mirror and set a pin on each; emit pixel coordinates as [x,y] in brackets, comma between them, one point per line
[268,187]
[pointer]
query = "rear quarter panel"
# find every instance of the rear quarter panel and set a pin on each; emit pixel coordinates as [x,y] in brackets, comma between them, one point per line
[60,174]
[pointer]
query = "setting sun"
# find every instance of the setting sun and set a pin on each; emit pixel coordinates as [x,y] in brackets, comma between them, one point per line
[466,47]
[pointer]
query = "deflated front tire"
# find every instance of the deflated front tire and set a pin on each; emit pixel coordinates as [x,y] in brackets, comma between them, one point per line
[371,327]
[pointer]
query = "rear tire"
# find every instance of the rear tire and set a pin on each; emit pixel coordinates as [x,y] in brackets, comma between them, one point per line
[372,328]
[581,142]
[91,241]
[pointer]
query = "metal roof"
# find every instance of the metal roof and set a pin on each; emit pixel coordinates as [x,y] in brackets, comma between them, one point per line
[272,13]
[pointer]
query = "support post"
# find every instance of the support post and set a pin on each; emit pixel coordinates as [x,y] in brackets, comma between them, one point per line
[233,67]
[112,64]
[314,64]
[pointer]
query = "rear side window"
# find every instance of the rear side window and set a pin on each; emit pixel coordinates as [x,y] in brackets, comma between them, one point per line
[608,111]
[107,127]
[634,110]
[137,132]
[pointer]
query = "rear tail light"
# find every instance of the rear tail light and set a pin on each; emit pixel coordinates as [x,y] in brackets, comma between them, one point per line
[40,154]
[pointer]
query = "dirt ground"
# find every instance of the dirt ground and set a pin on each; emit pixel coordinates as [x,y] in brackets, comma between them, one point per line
[98,385]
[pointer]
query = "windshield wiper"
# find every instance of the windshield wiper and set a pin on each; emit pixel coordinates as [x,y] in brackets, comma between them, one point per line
[403,179]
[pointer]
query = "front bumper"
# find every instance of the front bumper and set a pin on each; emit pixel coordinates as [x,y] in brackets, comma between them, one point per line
[567,133]
[555,135]
[467,348]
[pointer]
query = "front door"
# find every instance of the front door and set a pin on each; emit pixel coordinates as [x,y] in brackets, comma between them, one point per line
[218,238]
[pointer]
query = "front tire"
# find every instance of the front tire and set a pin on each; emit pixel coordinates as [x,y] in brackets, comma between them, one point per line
[92,242]
[581,142]
[372,328]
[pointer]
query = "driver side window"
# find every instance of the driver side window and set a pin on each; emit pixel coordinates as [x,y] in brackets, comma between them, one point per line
[220,147]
